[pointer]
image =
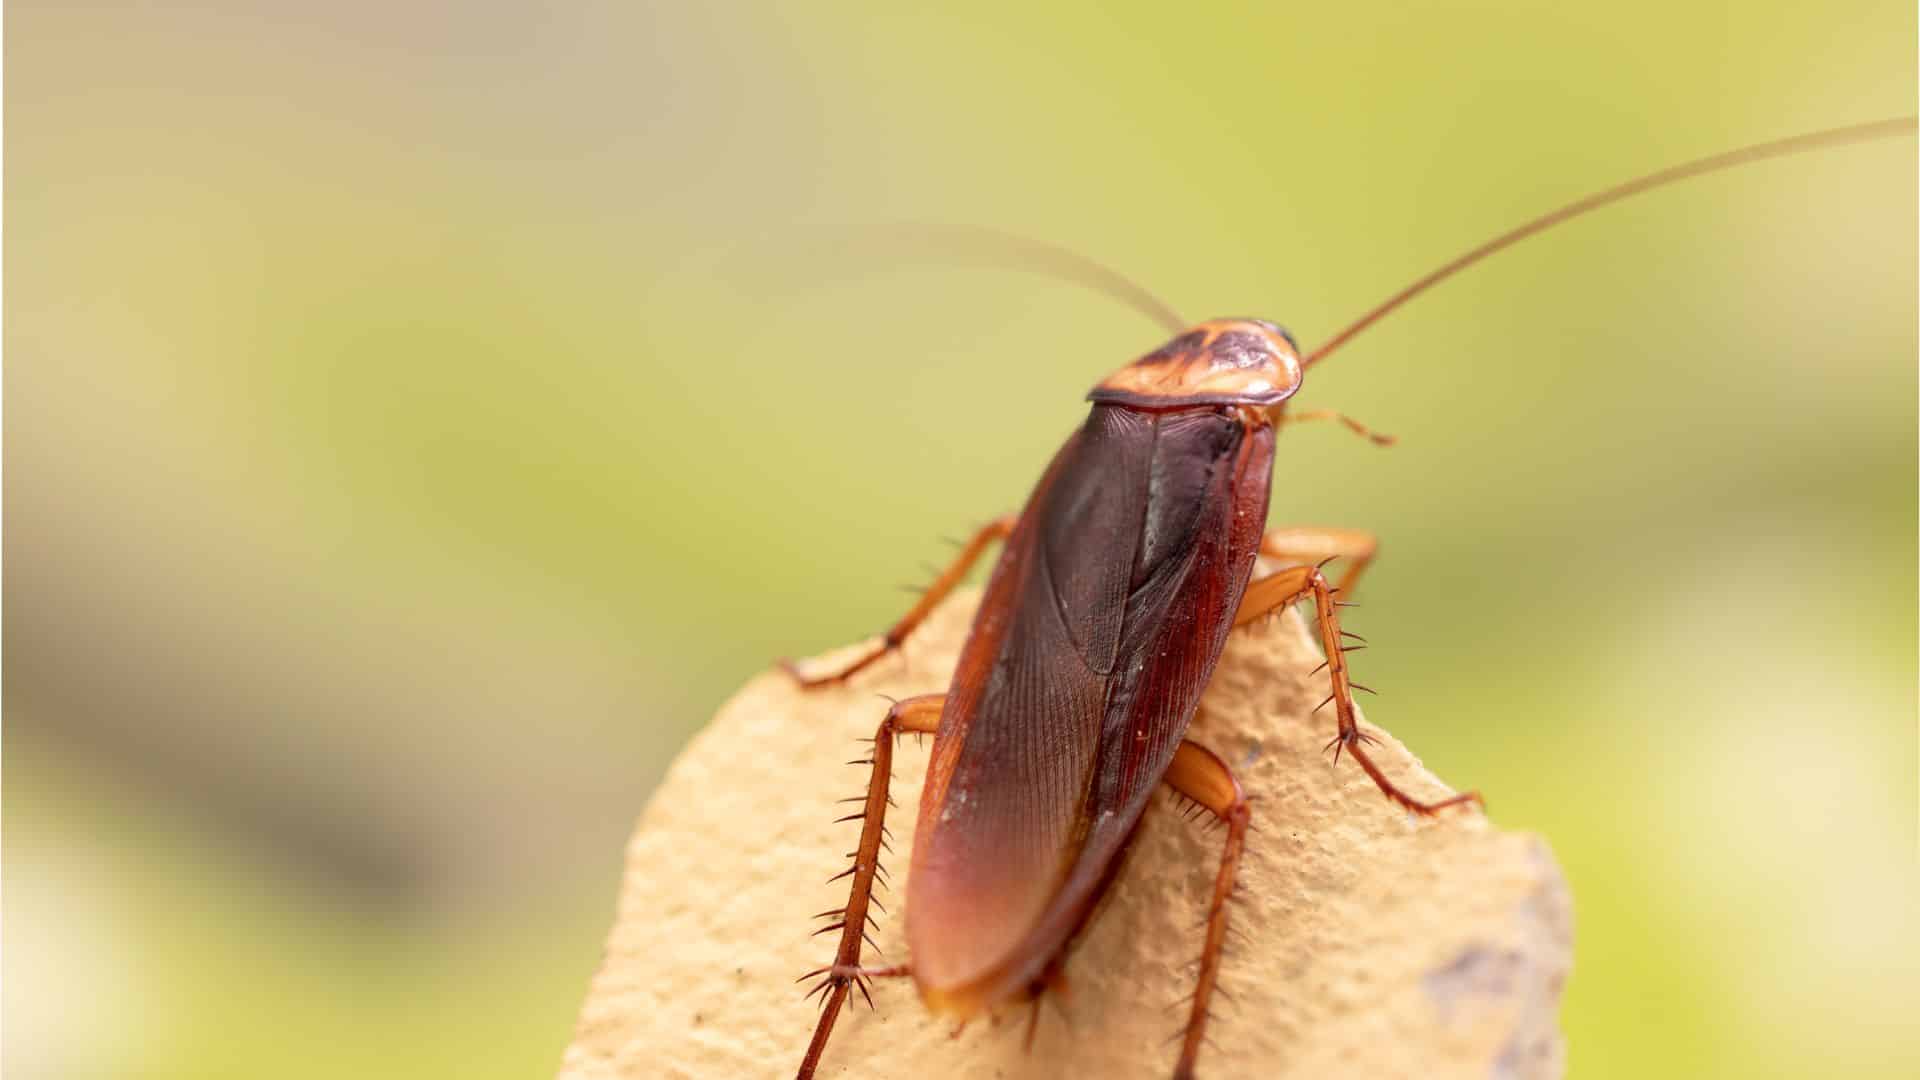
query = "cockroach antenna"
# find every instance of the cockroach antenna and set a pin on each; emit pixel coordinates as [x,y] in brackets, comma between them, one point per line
[1794,144]
[983,246]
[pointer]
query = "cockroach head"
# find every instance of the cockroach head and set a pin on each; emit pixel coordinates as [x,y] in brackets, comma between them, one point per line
[1222,362]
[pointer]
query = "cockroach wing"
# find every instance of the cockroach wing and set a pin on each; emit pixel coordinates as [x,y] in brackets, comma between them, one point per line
[1097,633]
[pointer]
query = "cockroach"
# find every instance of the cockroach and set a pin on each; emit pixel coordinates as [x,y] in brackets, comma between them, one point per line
[1114,593]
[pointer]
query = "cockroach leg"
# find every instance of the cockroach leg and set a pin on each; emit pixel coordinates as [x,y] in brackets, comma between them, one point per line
[997,529]
[1268,594]
[1051,981]
[1201,776]
[891,971]
[914,714]
[1311,544]
[1377,438]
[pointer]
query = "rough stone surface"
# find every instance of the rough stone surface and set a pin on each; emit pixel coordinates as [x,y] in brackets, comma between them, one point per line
[1375,944]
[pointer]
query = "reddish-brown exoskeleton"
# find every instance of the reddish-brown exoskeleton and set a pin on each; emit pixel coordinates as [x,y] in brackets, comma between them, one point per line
[1119,582]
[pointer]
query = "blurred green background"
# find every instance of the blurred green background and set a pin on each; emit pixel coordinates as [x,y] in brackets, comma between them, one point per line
[420,417]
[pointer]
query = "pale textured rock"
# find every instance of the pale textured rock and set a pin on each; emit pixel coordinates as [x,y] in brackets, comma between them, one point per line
[1376,945]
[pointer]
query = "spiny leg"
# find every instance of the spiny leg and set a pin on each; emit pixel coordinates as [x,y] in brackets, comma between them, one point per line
[857,976]
[1199,775]
[1267,595]
[970,552]
[914,714]
[1313,544]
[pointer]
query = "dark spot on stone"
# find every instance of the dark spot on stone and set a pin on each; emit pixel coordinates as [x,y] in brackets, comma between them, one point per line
[1478,971]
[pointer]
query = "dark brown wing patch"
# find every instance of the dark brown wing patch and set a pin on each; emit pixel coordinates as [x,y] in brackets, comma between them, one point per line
[1091,527]
[1097,633]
